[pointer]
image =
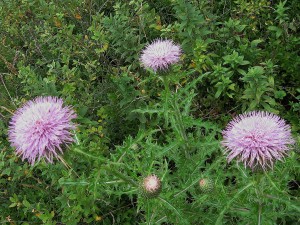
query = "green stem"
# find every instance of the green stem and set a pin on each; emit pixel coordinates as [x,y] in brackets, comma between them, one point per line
[177,113]
[148,213]
[166,85]
[109,169]
[89,155]
[259,195]
[178,119]
[219,220]
[288,203]
[168,204]
[120,175]
[98,158]
[166,100]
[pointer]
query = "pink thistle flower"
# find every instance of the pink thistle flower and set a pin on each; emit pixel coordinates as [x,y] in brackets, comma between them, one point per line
[257,138]
[40,128]
[160,54]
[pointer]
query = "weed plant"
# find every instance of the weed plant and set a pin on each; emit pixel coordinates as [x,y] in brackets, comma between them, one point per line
[134,123]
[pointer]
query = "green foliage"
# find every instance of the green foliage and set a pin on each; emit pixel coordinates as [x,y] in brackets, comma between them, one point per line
[237,56]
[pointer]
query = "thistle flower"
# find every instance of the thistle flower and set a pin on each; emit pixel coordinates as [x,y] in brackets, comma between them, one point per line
[206,185]
[257,138]
[160,54]
[151,186]
[40,128]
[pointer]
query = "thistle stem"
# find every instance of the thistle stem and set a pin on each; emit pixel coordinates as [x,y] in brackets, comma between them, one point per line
[219,220]
[258,194]
[166,100]
[120,175]
[177,114]
[110,169]
[178,119]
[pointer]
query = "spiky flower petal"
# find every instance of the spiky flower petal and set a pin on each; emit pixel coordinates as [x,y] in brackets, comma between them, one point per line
[151,186]
[160,54]
[40,128]
[257,138]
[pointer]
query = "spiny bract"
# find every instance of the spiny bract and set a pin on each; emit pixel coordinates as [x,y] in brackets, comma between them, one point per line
[206,185]
[151,186]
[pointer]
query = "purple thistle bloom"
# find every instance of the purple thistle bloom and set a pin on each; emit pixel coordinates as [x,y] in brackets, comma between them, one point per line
[40,127]
[160,54]
[257,138]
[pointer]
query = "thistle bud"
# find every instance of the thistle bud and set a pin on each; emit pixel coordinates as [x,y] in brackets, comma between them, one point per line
[151,186]
[206,185]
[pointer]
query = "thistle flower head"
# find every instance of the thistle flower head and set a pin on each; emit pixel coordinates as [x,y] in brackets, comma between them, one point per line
[151,186]
[206,185]
[40,128]
[160,54]
[257,138]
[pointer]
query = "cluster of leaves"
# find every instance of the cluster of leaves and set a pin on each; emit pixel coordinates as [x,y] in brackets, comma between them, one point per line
[238,55]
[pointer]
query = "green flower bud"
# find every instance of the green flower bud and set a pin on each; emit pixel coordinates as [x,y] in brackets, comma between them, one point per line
[206,185]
